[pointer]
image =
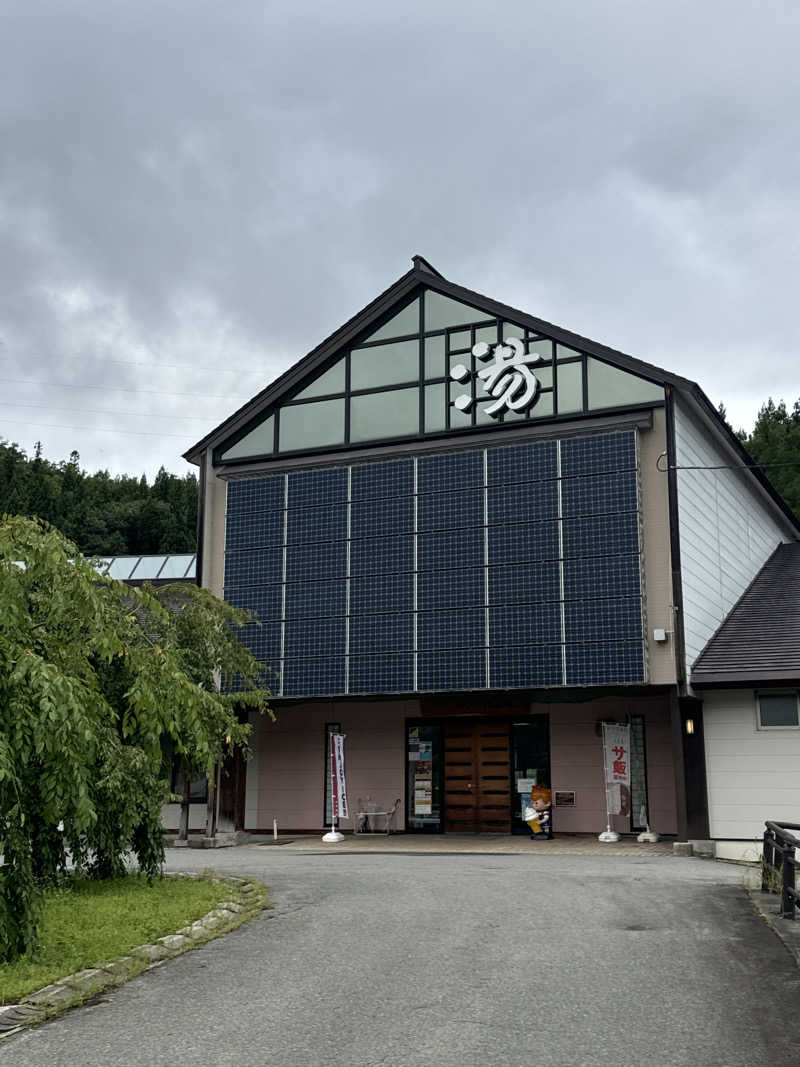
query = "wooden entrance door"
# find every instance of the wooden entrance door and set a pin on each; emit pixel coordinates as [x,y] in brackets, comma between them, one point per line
[477,778]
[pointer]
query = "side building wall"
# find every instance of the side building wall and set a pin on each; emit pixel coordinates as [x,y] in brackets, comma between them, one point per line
[728,528]
[752,774]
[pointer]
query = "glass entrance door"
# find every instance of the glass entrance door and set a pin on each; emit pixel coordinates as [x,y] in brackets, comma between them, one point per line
[530,755]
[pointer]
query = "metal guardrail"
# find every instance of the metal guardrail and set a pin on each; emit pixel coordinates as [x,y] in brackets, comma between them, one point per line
[780,853]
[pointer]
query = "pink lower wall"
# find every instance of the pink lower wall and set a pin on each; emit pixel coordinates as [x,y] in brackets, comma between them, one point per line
[576,762]
[289,760]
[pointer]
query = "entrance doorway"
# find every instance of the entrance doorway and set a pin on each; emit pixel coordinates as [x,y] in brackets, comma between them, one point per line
[477,778]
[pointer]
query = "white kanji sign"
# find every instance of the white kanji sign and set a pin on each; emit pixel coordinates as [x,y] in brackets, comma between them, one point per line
[508,378]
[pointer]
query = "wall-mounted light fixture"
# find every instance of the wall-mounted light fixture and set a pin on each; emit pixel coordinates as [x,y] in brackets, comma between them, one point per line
[690,726]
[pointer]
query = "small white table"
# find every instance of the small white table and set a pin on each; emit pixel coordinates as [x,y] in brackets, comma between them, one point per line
[365,818]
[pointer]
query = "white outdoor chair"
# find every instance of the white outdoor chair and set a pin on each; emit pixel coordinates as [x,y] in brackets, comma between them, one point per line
[367,818]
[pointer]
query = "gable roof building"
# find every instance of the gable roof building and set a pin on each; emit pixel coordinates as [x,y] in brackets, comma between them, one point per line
[466,532]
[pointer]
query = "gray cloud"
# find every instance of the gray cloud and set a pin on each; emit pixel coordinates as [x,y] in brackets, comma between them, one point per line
[208,189]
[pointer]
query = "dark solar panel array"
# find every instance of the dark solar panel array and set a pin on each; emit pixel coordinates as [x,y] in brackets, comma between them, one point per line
[506,567]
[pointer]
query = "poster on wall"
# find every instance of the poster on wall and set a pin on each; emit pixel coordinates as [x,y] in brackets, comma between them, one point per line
[413,744]
[423,785]
[423,799]
[423,796]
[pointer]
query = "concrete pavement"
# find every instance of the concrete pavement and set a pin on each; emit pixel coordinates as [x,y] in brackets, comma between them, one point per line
[458,961]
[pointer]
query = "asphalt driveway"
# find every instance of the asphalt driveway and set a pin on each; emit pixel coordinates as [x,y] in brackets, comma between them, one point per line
[463,960]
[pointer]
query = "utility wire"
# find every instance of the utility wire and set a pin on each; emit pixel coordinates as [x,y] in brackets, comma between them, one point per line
[93,429]
[94,411]
[724,466]
[165,366]
[116,389]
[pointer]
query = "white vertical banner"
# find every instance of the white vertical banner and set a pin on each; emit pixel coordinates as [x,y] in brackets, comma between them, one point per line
[617,761]
[338,783]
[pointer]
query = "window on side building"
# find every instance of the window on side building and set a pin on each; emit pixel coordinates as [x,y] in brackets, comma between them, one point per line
[777,710]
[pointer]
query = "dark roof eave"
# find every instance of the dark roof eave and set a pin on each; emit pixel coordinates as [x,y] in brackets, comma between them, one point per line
[743,677]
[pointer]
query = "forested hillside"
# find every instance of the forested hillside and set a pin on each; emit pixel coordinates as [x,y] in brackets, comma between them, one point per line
[108,516]
[104,515]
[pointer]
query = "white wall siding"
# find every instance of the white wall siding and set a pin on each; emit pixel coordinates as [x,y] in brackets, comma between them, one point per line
[752,774]
[727,531]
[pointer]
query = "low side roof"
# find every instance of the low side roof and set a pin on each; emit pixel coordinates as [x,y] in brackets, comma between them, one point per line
[759,641]
[156,569]
[423,274]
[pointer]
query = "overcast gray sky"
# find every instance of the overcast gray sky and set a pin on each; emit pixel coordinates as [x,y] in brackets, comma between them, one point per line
[192,195]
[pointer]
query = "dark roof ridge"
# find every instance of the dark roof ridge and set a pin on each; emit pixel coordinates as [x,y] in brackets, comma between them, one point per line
[422,264]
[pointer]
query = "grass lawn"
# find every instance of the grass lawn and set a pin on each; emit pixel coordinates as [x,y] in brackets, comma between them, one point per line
[87,923]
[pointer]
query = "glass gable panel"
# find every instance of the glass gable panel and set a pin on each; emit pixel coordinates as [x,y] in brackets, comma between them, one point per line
[403,323]
[377,415]
[312,425]
[487,334]
[384,365]
[435,400]
[570,387]
[610,387]
[332,381]
[259,442]
[434,357]
[543,349]
[510,329]
[562,352]
[543,406]
[441,311]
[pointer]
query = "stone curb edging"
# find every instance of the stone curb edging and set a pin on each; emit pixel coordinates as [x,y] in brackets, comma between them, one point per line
[768,907]
[248,898]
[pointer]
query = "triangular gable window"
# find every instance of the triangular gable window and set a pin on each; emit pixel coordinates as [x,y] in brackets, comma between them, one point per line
[395,384]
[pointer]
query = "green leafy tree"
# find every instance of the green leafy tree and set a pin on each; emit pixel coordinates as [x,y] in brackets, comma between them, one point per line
[201,632]
[96,681]
[775,443]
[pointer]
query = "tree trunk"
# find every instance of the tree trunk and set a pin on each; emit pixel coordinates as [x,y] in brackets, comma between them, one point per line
[211,808]
[183,829]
